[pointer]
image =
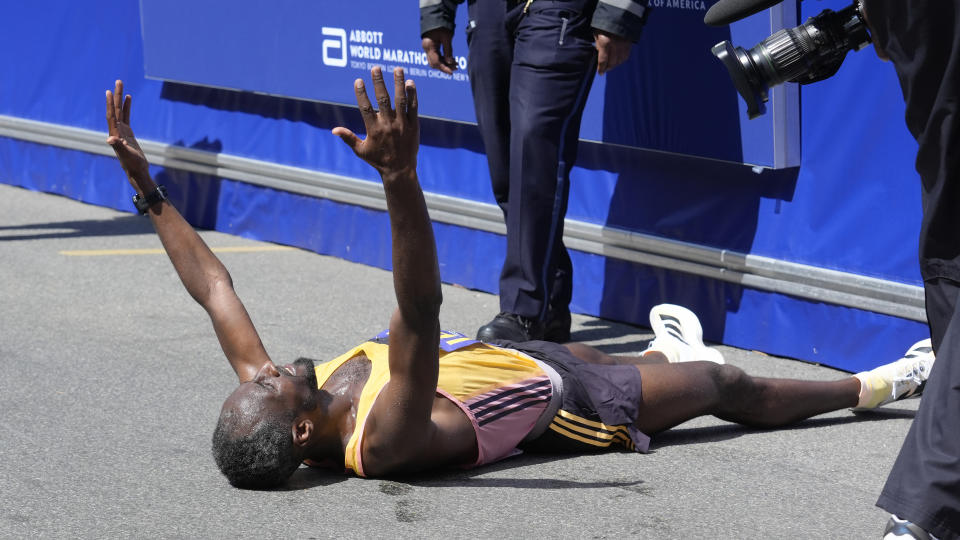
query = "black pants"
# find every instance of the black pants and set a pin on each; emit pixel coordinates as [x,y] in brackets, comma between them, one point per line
[530,74]
[922,38]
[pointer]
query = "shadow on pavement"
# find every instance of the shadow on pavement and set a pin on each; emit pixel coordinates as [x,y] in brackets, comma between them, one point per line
[311,477]
[726,432]
[602,330]
[307,478]
[120,225]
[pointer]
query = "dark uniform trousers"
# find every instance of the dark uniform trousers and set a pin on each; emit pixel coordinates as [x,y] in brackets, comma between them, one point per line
[530,74]
[922,38]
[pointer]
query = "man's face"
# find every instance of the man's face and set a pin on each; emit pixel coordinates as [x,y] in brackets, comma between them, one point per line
[290,388]
[306,368]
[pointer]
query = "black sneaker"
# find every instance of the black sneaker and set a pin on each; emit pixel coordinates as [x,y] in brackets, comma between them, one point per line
[510,327]
[557,328]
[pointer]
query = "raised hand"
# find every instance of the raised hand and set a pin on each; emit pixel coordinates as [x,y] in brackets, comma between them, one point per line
[121,139]
[393,135]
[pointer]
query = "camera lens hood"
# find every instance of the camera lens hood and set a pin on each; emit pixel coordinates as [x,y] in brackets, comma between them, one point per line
[738,64]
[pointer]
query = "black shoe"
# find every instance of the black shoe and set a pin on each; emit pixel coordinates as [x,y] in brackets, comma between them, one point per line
[557,328]
[510,327]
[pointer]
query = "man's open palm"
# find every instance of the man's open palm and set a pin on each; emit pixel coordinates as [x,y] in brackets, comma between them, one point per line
[121,137]
[393,135]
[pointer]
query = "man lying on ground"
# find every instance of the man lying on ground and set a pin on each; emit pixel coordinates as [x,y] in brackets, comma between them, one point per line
[416,397]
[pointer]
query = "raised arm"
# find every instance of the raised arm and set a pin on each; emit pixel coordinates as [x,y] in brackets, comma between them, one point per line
[203,275]
[399,425]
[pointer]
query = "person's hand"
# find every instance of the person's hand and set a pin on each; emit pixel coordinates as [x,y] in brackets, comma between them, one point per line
[612,50]
[393,136]
[121,138]
[435,42]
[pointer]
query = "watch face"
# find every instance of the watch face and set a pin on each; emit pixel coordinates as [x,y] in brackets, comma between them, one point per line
[142,204]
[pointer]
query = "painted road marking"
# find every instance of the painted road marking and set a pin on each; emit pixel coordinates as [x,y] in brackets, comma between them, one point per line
[161,251]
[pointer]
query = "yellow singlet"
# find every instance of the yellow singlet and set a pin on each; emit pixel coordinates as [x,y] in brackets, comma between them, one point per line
[502,391]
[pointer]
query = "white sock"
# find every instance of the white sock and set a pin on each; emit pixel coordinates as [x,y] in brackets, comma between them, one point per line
[873,389]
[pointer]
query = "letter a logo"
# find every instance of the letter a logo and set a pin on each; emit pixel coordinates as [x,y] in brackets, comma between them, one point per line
[331,56]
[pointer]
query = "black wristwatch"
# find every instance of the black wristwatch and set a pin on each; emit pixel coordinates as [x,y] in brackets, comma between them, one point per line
[144,203]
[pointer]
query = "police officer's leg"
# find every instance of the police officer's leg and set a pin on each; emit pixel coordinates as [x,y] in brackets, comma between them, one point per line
[553,68]
[490,46]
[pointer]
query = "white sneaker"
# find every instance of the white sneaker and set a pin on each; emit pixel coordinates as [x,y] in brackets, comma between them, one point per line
[679,336]
[897,380]
[901,529]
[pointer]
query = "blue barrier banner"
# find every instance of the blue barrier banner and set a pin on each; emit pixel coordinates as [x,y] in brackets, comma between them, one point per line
[832,212]
[671,95]
[299,48]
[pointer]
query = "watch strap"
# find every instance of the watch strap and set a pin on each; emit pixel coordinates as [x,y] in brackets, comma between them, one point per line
[143,204]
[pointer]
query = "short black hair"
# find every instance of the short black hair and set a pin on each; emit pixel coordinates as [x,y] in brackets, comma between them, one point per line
[264,458]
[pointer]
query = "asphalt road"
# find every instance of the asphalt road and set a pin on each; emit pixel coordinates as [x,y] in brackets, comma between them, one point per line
[113,381]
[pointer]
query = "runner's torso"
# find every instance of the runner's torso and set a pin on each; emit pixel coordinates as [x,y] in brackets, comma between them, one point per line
[488,399]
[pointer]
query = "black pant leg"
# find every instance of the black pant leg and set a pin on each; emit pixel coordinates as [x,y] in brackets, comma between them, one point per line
[490,54]
[924,484]
[922,38]
[553,68]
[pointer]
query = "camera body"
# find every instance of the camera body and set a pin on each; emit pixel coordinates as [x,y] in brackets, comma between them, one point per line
[807,53]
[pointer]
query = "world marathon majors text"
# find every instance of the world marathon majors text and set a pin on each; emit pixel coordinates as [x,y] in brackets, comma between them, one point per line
[411,71]
[400,56]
